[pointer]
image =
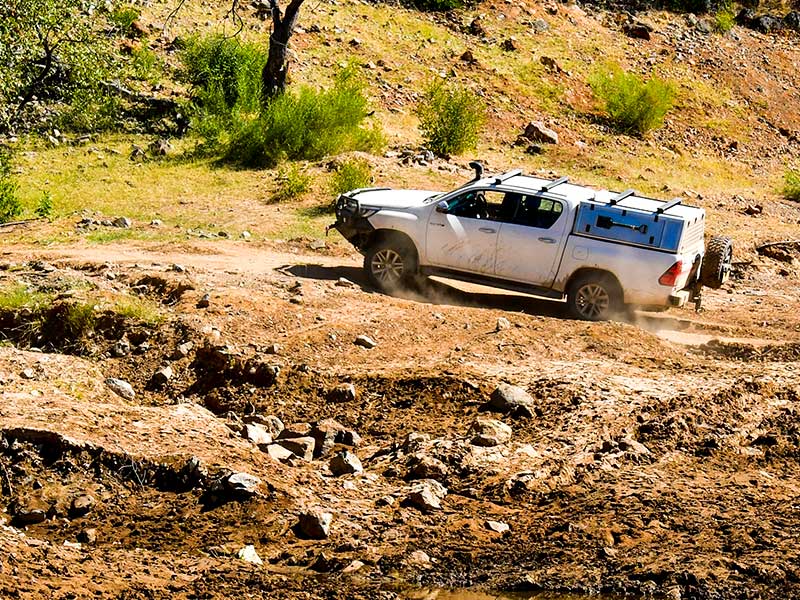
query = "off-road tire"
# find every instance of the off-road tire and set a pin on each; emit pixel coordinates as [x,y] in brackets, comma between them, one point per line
[717,261]
[594,297]
[390,265]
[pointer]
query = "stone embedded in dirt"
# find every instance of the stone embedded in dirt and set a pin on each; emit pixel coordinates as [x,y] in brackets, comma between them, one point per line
[502,323]
[510,399]
[271,424]
[257,434]
[386,501]
[326,564]
[427,494]
[295,430]
[345,463]
[121,388]
[242,483]
[204,302]
[540,26]
[497,526]
[28,374]
[121,348]
[182,350]
[536,131]
[326,434]
[161,377]
[630,445]
[121,222]
[82,505]
[88,536]
[637,30]
[419,558]
[317,245]
[551,65]
[365,341]
[353,567]
[156,223]
[422,466]
[344,282]
[345,392]
[414,441]
[315,524]
[24,515]
[350,438]
[279,453]
[273,349]
[489,432]
[510,45]
[476,27]
[302,447]
[249,554]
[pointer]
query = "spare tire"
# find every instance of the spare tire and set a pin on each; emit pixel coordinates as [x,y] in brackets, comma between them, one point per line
[717,262]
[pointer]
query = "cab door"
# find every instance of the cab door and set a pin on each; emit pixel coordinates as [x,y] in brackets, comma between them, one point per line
[529,247]
[463,237]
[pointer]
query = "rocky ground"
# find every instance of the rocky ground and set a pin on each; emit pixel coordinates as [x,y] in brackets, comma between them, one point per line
[287,432]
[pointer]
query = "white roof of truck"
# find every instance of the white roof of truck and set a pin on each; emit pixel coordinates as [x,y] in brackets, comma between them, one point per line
[574,194]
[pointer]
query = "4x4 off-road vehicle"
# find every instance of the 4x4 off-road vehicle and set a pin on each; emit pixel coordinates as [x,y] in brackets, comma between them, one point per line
[602,250]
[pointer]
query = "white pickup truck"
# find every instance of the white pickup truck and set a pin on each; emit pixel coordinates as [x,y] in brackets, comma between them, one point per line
[602,250]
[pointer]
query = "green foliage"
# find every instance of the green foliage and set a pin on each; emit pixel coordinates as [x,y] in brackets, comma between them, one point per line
[724,18]
[292,182]
[436,5]
[634,105]
[145,64]
[10,206]
[18,296]
[791,185]
[305,125]
[139,309]
[78,320]
[45,207]
[52,50]
[352,174]
[124,17]
[224,72]
[451,118]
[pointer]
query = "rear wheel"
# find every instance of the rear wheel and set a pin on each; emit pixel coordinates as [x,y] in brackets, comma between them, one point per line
[594,297]
[717,262]
[390,265]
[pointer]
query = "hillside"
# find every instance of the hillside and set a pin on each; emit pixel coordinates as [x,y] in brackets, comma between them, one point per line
[189,408]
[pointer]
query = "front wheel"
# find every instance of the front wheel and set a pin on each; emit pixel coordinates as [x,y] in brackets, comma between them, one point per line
[594,297]
[390,265]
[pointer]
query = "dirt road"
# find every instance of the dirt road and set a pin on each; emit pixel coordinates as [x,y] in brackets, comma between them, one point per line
[651,457]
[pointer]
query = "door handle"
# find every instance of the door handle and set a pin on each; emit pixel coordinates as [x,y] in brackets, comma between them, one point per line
[547,240]
[487,230]
[438,224]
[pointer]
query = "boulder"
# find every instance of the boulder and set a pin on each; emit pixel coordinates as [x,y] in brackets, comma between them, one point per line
[489,432]
[365,342]
[82,505]
[271,424]
[536,131]
[249,554]
[242,484]
[510,399]
[427,495]
[345,463]
[161,377]
[345,392]
[422,466]
[314,524]
[279,453]
[302,447]
[326,434]
[637,30]
[121,388]
[497,526]
[256,434]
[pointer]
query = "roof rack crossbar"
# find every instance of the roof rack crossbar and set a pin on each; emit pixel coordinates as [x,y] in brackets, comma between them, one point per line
[509,175]
[621,196]
[550,185]
[662,209]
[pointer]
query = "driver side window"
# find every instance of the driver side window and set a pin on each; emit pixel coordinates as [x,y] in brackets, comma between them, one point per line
[489,205]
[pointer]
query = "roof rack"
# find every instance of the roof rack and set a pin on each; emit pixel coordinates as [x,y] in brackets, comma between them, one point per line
[667,205]
[550,185]
[509,175]
[621,196]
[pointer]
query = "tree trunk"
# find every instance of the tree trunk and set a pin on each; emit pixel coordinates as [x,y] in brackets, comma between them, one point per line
[274,74]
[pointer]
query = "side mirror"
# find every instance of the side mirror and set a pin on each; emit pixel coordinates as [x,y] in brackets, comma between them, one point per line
[442,206]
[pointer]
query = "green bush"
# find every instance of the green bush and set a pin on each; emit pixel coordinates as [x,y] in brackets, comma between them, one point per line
[10,206]
[352,174]
[451,118]
[124,17]
[791,185]
[145,65]
[292,182]
[305,125]
[435,5]
[45,207]
[724,19]
[633,104]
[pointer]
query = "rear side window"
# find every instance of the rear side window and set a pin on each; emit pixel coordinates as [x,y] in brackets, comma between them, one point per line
[538,212]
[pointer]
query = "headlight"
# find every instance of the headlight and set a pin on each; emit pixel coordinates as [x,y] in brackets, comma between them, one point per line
[367,211]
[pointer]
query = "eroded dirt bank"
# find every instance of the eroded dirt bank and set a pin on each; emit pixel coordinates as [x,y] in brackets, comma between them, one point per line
[657,457]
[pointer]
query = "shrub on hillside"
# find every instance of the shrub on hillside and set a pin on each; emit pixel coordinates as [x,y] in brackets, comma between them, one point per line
[724,18]
[10,206]
[451,118]
[791,185]
[292,182]
[305,125]
[633,104]
[435,5]
[352,174]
